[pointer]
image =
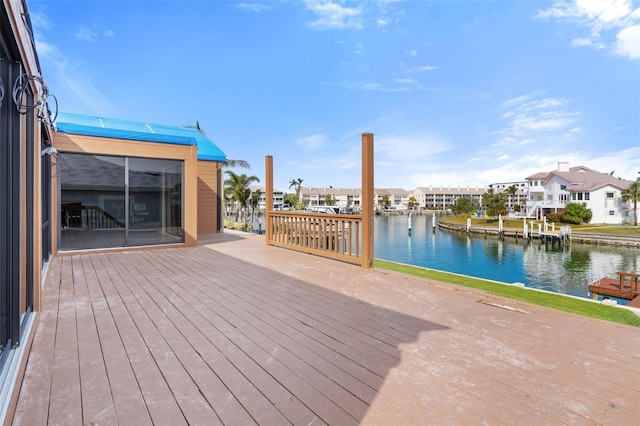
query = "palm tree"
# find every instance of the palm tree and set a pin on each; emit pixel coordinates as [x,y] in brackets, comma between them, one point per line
[237,163]
[632,193]
[297,185]
[236,187]
[511,190]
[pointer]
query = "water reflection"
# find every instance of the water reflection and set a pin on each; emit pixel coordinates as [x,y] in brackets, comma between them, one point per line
[567,269]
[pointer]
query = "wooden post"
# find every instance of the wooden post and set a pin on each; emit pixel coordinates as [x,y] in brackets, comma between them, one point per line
[367,200]
[268,182]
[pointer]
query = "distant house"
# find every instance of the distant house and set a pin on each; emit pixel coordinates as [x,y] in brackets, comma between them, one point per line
[549,192]
[343,197]
[398,197]
[442,198]
[278,197]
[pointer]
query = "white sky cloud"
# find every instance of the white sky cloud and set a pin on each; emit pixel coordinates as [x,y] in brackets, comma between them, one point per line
[86,34]
[425,68]
[603,18]
[253,6]
[73,79]
[628,43]
[582,41]
[404,80]
[332,15]
[312,142]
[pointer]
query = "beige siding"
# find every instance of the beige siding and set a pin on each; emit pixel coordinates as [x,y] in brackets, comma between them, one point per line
[207,197]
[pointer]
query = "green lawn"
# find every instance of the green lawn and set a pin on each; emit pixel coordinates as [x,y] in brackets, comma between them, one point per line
[549,300]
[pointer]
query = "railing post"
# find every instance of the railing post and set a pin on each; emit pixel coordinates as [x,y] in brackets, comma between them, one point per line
[367,200]
[268,182]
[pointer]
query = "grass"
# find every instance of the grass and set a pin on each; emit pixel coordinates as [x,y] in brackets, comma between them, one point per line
[549,300]
[623,230]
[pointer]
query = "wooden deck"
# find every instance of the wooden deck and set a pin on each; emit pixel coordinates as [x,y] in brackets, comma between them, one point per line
[624,287]
[235,332]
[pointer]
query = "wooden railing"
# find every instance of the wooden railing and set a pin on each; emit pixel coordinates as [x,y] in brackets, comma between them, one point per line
[338,236]
[342,237]
[80,216]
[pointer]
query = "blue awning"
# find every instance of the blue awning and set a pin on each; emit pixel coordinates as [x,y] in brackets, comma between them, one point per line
[85,125]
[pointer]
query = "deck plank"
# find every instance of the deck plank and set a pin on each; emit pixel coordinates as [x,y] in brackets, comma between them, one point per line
[187,394]
[97,402]
[65,406]
[126,393]
[161,403]
[35,392]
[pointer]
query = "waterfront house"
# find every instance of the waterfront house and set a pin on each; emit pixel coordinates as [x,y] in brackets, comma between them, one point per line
[550,192]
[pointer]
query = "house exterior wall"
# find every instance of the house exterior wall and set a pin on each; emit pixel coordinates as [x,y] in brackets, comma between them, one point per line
[21,263]
[606,209]
[110,146]
[554,194]
[208,204]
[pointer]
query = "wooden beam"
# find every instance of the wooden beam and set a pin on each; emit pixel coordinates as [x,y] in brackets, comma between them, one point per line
[367,200]
[268,182]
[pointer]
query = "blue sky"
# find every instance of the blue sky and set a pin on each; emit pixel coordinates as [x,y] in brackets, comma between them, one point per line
[461,93]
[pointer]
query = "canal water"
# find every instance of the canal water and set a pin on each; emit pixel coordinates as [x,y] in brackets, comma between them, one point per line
[567,270]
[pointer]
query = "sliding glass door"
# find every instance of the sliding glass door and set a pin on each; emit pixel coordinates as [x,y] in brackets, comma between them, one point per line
[155,201]
[111,201]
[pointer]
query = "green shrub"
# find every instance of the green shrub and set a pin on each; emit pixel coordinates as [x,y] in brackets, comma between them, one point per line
[553,217]
[238,226]
[577,213]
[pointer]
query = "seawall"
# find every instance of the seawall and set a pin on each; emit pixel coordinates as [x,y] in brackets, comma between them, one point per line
[578,237]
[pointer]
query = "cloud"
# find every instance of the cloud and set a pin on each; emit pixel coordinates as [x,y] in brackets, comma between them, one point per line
[602,18]
[331,15]
[485,168]
[40,21]
[256,7]
[407,150]
[628,42]
[581,41]
[404,81]
[359,49]
[312,142]
[85,98]
[86,34]
[424,68]
[528,116]
[412,52]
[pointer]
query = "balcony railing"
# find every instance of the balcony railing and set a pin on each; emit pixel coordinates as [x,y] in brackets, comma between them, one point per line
[338,236]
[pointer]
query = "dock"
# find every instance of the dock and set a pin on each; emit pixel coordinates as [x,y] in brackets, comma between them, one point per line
[623,287]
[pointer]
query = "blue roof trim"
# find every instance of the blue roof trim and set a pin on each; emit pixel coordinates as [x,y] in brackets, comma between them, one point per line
[85,125]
